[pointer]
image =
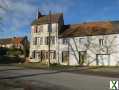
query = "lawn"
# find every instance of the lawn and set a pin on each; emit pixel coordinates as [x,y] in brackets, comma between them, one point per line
[45,66]
[112,71]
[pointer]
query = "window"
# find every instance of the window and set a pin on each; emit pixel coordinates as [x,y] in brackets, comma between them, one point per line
[82,41]
[53,54]
[44,55]
[35,29]
[101,42]
[65,41]
[34,40]
[38,55]
[41,40]
[52,39]
[40,28]
[38,40]
[46,40]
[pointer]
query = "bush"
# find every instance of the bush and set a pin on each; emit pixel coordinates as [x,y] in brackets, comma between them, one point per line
[3,51]
[8,60]
[14,52]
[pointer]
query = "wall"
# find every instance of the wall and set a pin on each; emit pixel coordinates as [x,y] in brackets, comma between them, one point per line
[93,49]
[44,34]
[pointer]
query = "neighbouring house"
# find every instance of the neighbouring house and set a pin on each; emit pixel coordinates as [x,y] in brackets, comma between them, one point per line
[15,42]
[92,43]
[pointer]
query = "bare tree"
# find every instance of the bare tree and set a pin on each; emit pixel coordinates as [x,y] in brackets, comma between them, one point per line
[107,48]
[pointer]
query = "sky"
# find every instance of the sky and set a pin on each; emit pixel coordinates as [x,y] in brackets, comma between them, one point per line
[16,15]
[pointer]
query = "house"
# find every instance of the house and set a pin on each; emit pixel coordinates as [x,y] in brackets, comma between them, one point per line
[89,44]
[16,42]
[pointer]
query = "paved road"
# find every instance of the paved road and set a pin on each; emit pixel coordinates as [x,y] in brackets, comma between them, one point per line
[55,78]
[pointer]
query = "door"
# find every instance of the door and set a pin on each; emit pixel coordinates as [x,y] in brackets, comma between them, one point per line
[82,57]
[103,59]
[65,57]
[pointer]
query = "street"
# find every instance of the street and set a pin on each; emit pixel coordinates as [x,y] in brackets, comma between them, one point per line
[55,79]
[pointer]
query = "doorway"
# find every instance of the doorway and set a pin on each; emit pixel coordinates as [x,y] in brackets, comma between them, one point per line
[82,57]
[103,59]
[65,57]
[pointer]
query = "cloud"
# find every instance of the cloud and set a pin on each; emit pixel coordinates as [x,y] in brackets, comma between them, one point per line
[19,14]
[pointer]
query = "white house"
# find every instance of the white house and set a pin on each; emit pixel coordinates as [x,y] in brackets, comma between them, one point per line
[92,44]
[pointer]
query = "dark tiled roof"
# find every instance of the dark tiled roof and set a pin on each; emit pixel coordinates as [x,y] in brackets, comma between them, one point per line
[44,19]
[91,29]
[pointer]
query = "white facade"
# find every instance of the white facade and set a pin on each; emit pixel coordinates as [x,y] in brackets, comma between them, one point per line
[92,50]
[98,50]
[101,50]
[42,45]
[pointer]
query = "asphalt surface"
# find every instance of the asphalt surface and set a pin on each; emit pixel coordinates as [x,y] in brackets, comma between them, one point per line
[54,80]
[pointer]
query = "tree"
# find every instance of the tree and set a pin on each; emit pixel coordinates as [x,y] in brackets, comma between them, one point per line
[110,46]
[25,47]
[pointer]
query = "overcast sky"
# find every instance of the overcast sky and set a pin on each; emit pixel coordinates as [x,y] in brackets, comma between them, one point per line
[17,15]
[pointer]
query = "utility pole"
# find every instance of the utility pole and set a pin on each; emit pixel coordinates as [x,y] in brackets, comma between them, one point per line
[49,30]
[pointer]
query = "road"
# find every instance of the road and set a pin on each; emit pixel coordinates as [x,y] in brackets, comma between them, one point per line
[55,79]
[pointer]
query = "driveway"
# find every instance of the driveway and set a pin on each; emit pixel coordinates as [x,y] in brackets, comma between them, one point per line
[54,79]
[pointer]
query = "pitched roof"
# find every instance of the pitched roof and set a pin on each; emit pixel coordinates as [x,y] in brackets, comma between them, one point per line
[91,29]
[44,19]
[5,41]
[15,40]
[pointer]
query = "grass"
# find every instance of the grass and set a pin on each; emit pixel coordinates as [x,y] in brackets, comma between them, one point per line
[45,66]
[32,65]
[58,66]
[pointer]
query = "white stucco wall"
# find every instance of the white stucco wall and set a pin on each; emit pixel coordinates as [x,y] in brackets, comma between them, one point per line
[91,46]
[44,34]
[111,42]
